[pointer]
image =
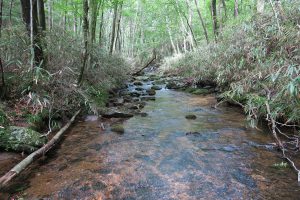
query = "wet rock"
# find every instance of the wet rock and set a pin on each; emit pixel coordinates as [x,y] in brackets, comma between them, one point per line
[117,128]
[91,118]
[21,139]
[143,114]
[151,92]
[135,94]
[156,87]
[139,89]
[148,98]
[116,114]
[159,82]
[174,85]
[192,133]
[191,117]
[128,99]
[138,83]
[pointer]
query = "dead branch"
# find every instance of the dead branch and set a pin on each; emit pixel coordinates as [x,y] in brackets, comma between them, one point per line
[35,155]
[149,63]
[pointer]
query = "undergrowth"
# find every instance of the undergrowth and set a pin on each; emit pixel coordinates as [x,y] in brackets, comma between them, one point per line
[45,93]
[254,63]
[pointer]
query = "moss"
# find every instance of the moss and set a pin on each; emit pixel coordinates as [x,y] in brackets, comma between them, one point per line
[151,92]
[118,128]
[21,139]
[200,91]
[98,94]
[4,122]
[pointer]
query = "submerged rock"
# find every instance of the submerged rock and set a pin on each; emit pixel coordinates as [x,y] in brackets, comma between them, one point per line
[148,98]
[138,83]
[139,89]
[151,92]
[21,139]
[191,117]
[156,87]
[117,128]
[116,114]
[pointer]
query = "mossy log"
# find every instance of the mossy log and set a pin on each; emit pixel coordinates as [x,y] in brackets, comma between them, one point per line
[35,155]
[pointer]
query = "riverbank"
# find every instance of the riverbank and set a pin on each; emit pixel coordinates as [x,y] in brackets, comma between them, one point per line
[162,155]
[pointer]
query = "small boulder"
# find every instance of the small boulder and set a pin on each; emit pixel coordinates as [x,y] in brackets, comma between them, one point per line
[172,85]
[148,98]
[191,117]
[139,83]
[135,94]
[116,114]
[117,128]
[139,89]
[156,87]
[151,92]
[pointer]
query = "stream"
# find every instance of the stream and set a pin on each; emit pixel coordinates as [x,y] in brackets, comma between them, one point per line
[162,156]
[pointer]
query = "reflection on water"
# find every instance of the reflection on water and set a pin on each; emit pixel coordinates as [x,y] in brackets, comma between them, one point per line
[163,156]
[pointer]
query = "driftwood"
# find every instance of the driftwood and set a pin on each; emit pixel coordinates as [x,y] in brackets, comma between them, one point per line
[147,65]
[35,155]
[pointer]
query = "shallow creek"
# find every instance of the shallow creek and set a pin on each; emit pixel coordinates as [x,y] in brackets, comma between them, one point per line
[161,156]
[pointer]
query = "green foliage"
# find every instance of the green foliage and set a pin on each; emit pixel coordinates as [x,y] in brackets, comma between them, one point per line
[256,62]
[4,122]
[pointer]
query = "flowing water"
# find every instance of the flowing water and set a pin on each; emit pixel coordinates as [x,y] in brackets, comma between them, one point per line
[162,156]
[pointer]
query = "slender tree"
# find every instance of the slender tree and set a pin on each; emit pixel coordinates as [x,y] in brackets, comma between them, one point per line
[30,18]
[85,39]
[2,86]
[41,12]
[113,32]
[202,21]
[214,18]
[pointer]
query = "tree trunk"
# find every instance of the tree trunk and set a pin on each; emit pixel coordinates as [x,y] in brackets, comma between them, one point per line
[101,29]
[94,14]
[41,11]
[30,19]
[236,8]
[214,17]
[85,38]
[225,8]
[117,42]
[2,86]
[113,33]
[10,10]
[202,21]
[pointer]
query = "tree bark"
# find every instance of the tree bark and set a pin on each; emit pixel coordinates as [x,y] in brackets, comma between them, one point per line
[85,38]
[10,10]
[101,29]
[35,155]
[236,8]
[202,21]
[30,19]
[113,32]
[94,14]
[214,17]
[2,86]
[41,11]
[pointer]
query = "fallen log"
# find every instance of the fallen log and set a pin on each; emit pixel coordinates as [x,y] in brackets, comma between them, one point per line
[35,155]
[149,63]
